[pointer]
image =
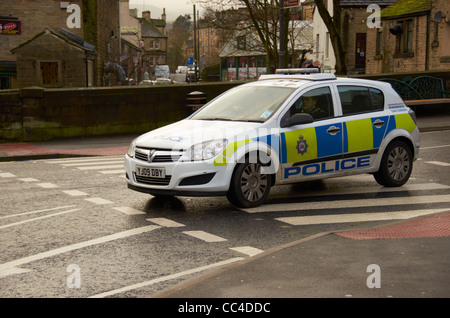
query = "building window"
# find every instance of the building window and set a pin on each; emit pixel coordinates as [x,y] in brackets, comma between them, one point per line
[241,43]
[317,46]
[405,40]
[379,43]
[49,73]
[327,45]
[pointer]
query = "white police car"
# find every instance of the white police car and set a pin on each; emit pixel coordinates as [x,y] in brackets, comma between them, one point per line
[284,128]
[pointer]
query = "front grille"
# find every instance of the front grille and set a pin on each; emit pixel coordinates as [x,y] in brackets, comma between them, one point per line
[160,155]
[153,181]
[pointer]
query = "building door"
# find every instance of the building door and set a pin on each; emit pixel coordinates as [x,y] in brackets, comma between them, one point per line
[360,51]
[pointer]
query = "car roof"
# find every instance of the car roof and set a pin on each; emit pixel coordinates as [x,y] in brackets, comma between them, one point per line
[302,76]
[309,74]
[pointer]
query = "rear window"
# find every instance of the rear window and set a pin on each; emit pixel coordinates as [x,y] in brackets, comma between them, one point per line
[360,99]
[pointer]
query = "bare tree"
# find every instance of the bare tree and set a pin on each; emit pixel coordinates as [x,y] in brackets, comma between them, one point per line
[333,26]
[264,16]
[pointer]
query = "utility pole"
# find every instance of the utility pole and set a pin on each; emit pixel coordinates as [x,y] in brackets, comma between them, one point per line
[195,45]
[282,34]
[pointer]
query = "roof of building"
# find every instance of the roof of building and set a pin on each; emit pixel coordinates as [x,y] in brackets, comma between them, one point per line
[65,35]
[149,28]
[365,3]
[403,8]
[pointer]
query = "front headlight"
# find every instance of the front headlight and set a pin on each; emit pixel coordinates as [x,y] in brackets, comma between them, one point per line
[205,150]
[130,152]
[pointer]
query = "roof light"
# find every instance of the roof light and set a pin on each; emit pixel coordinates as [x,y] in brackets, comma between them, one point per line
[289,71]
[298,74]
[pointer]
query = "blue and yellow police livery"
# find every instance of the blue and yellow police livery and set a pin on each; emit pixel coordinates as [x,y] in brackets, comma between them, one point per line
[286,127]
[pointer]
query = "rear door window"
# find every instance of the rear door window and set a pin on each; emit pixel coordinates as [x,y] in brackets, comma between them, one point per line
[360,99]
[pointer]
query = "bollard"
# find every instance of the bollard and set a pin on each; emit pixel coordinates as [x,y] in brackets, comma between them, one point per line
[195,100]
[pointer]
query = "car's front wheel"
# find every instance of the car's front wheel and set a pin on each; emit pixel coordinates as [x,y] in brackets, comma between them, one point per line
[250,186]
[396,165]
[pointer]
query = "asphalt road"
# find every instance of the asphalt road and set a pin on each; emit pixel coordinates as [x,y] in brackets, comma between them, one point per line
[71,228]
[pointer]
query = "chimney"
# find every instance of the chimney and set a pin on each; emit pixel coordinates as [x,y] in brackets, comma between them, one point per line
[163,16]
[146,15]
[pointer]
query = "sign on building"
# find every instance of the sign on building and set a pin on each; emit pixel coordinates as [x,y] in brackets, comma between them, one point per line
[10,27]
[291,3]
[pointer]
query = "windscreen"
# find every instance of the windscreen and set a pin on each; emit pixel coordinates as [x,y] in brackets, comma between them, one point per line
[245,103]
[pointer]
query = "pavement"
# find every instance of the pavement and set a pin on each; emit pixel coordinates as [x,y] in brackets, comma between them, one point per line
[403,259]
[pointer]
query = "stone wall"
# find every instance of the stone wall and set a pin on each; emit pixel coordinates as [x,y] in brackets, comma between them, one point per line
[37,114]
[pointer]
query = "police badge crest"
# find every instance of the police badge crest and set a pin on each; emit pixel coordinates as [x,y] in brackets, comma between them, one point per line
[302,146]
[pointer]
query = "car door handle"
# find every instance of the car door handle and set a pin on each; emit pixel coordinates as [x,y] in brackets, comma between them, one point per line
[333,130]
[378,123]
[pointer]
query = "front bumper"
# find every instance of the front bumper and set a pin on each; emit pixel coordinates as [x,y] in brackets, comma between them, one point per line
[195,178]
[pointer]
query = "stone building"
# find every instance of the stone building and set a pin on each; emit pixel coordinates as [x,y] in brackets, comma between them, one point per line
[66,23]
[414,37]
[145,42]
[55,59]
[154,41]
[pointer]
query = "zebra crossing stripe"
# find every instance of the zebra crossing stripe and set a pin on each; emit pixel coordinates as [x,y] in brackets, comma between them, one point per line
[356,217]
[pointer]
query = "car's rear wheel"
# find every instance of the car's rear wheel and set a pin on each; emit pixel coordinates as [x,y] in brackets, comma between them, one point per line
[250,186]
[396,165]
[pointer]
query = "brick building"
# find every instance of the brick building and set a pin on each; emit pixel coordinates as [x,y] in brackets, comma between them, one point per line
[46,26]
[414,36]
[354,30]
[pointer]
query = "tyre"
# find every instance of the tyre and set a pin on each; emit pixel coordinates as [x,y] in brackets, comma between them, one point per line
[250,186]
[396,165]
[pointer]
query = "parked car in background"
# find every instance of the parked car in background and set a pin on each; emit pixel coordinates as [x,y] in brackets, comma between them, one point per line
[162,71]
[182,69]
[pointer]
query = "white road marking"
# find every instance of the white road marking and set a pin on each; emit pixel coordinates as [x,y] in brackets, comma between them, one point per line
[165,222]
[113,171]
[81,164]
[99,201]
[7,175]
[248,250]
[47,185]
[434,147]
[128,210]
[356,217]
[439,163]
[37,211]
[100,167]
[336,204]
[28,179]
[5,269]
[78,160]
[168,277]
[38,218]
[371,189]
[75,193]
[207,237]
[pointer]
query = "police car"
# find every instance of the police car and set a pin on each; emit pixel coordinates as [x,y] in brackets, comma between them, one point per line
[287,127]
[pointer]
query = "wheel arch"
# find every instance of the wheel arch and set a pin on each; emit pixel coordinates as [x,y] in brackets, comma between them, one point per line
[251,151]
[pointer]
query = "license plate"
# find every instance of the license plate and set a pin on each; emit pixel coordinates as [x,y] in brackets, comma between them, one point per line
[150,172]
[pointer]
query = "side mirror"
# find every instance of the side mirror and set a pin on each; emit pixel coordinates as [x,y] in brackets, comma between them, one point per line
[296,119]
